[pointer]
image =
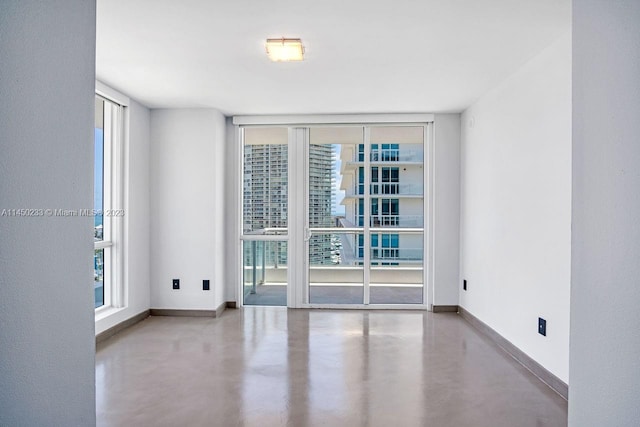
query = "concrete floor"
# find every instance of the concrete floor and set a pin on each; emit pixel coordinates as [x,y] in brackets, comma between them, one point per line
[269,366]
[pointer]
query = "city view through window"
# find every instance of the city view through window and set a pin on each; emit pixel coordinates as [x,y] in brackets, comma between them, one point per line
[108,118]
[98,204]
[365,205]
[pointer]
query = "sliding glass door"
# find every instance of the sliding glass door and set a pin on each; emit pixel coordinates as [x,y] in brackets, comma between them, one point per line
[336,272]
[334,215]
[396,214]
[365,229]
[265,203]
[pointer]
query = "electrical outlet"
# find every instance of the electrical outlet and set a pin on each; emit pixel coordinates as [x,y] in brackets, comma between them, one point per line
[176,283]
[542,326]
[205,285]
[464,284]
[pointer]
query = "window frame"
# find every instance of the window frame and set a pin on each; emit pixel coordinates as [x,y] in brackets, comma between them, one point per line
[115,125]
[298,124]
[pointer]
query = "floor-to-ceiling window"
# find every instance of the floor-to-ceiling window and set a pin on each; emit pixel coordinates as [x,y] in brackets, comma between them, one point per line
[396,217]
[265,202]
[98,205]
[375,226]
[360,229]
[107,213]
[333,229]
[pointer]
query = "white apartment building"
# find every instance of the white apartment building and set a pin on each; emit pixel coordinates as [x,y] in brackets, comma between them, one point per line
[265,194]
[396,194]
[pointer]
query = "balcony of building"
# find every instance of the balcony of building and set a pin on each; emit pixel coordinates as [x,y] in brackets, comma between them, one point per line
[385,189]
[395,273]
[337,285]
[394,156]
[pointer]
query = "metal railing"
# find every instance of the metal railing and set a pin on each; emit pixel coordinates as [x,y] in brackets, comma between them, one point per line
[396,155]
[386,189]
[397,254]
[396,221]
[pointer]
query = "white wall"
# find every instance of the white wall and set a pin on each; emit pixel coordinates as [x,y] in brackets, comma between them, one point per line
[516,207]
[47,72]
[446,209]
[136,219]
[187,208]
[605,318]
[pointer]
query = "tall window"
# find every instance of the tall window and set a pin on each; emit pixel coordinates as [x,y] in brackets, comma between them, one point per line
[106,215]
[265,212]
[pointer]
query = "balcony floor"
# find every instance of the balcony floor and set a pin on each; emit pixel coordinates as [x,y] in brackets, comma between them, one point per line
[336,294]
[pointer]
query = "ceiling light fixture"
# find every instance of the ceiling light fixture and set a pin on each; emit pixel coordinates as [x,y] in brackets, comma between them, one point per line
[284,50]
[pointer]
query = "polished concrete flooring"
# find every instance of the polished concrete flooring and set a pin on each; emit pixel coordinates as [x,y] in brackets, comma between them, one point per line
[270,366]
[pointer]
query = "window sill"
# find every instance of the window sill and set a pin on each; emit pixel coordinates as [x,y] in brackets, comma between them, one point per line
[106,311]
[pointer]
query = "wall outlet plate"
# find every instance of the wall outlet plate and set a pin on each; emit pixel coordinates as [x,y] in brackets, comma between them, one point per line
[542,326]
[176,283]
[464,284]
[205,285]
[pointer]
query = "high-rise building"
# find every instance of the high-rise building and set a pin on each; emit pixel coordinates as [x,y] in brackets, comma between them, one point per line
[396,200]
[321,201]
[265,186]
[265,198]
[265,201]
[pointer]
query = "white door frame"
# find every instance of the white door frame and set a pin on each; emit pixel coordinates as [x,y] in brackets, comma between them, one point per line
[298,133]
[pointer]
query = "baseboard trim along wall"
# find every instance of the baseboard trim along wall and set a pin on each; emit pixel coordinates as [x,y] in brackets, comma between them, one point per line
[444,308]
[189,313]
[220,309]
[182,313]
[536,369]
[108,333]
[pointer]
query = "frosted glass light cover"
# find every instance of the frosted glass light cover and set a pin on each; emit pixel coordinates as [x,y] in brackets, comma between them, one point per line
[280,50]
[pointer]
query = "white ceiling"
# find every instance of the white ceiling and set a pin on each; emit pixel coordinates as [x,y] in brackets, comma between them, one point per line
[362,56]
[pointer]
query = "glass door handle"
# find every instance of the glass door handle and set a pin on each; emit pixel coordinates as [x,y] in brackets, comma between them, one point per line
[307,234]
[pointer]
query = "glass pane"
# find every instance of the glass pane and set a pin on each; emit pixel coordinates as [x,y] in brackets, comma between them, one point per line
[397,159]
[265,272]
[336,180]
[336,197]
[322,186]
[336,274]
[265,180]
[396,274]
[98,172]
[98,204]
[98,277]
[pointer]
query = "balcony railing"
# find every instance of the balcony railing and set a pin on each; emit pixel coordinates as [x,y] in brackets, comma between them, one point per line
[342,275]
[387,189]
[400,221]
[405,221]
[389,155]
[396,254]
